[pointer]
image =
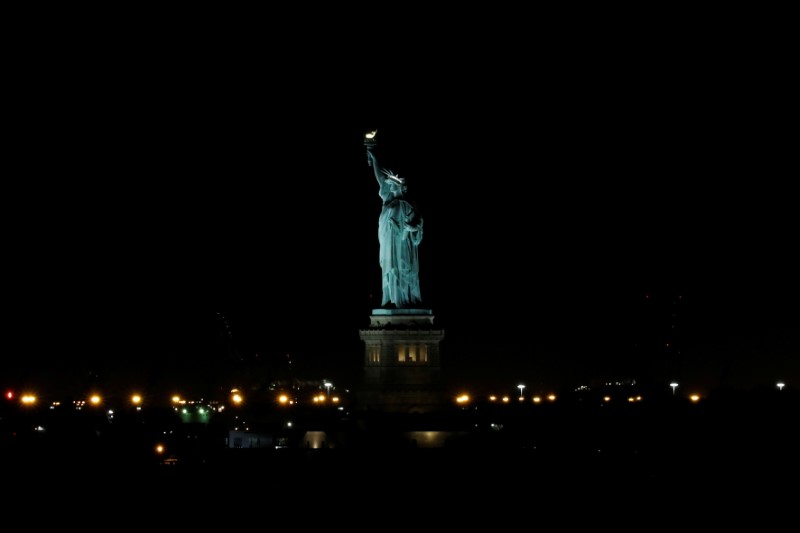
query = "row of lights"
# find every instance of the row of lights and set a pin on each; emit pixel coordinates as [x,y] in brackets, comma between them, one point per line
[465,398]
[236,398]
[136,399]
[283,399]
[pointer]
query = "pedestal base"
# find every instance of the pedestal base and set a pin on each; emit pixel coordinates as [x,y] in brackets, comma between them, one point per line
[401,362]
[388,398]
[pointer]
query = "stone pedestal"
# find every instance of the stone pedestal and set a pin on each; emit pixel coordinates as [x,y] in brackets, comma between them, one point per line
[401,362]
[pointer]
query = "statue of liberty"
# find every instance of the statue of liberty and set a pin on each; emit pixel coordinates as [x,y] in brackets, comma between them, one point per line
[399,235]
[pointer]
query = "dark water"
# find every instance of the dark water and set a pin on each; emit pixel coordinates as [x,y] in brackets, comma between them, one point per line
[722,461]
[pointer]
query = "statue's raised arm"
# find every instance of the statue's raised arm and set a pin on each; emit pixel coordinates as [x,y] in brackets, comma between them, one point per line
[373,162]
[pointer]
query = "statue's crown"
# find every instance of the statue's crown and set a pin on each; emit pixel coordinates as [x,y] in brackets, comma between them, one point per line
[394,177]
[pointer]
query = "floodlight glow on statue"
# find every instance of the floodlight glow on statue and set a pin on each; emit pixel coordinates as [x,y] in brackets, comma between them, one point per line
[399,236]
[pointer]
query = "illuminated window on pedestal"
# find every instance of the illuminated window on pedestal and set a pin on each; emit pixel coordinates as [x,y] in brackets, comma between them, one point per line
[374,355]
[413,353]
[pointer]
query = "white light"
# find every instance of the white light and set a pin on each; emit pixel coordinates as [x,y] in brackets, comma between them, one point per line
[781,385]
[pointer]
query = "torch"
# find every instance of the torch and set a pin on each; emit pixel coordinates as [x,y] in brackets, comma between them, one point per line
[369,142]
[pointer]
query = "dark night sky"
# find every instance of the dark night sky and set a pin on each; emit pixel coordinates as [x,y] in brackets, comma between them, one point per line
[146,194]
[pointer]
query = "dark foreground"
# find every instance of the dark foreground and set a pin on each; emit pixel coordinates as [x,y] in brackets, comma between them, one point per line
[722,461]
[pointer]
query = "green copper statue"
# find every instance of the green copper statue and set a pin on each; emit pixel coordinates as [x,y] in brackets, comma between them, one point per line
[399,235]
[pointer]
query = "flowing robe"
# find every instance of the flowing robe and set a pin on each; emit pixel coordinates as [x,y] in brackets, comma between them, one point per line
[399,235]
